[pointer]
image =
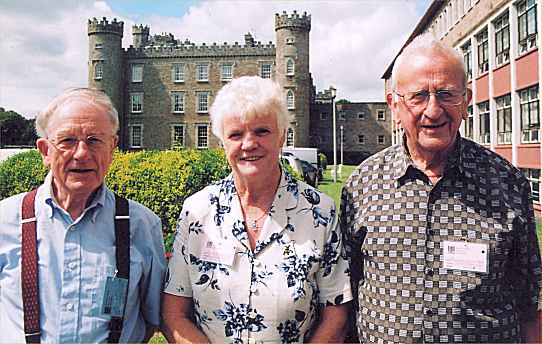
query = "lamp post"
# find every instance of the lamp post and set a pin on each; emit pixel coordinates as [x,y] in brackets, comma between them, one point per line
[333,92]
[342,141]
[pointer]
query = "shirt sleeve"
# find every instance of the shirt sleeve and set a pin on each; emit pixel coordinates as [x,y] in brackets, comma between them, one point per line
[333,278]
[155,268]
[178,274]
[527,268]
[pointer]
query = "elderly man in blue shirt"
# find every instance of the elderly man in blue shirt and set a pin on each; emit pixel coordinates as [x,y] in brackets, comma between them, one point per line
[77,263]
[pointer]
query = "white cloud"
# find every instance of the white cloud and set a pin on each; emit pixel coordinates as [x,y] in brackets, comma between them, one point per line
[45,44]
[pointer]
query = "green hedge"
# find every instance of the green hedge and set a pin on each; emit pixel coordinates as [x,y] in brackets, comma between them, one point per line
[161,180]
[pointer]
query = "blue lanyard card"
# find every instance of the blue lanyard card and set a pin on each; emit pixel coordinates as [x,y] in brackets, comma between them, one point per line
[114,296]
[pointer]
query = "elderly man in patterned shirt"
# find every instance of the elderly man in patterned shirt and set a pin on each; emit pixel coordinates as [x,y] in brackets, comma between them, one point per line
[442,230]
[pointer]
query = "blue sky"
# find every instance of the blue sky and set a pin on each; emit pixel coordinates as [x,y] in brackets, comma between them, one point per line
[45,43]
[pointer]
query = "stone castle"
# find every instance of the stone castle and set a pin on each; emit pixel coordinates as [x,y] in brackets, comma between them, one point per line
[163,87]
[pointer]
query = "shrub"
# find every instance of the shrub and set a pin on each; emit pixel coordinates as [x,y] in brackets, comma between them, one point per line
[21,173]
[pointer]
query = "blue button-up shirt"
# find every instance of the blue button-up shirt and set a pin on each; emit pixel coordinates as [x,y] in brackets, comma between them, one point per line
[75,257]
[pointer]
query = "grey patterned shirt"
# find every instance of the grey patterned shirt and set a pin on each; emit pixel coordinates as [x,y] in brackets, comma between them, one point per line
[398,223]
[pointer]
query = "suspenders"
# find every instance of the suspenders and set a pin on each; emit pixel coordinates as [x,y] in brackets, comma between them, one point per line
[29,266]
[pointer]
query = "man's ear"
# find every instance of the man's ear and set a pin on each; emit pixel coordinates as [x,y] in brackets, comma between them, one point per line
[468,97]
[43,148]
[392,105]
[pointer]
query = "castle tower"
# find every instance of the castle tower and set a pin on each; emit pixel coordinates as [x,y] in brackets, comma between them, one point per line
[292,70]
[105,64]
[140,35]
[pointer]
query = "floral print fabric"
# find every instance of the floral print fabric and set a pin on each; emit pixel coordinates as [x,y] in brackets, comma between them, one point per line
[271,294]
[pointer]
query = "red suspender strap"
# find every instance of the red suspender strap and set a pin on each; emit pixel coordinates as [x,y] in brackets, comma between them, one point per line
[29,270]
[122,252]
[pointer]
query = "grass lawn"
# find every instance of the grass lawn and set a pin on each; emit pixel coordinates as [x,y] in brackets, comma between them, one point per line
[332,189]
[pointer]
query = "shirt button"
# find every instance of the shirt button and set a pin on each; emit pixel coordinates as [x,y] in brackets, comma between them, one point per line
[429,272]
[253,288]
[69,306]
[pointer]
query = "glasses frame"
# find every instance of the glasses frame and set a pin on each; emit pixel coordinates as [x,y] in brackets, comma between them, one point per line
[90,147]
[435,93]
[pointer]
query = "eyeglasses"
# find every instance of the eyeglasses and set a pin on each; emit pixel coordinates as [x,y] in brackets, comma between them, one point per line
[418,99]
[70,143]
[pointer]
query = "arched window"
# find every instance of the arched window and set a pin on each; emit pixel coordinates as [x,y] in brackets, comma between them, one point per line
[290,67]
[290,137]
[290,100]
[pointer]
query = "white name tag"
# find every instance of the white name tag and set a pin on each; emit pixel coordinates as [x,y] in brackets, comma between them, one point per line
[218,251]
[461,255]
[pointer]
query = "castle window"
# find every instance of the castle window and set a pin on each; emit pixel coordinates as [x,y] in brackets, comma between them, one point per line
[137,73]
[483,52]
[502,39]
[203,101]
[526,25]
[177,136]
[290,137]
[530,115]
[323,116]
[226,71]
[202,136]
[98,46]
[290,40]
[381,115]
[361,139]
[361,115]
[136,135]
[483,113]
[290,67]
[504,119]
[342,116]
[136,102]
[381,139]
[202,72]
[177,72]
[177,102]
[98,70]
[265,70]
[290,100]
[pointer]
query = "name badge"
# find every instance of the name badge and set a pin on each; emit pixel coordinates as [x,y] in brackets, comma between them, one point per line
[218,251]
[461,255]
[114,296]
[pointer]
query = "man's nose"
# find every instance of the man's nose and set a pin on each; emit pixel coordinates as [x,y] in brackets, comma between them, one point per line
[81,149]
[433,108]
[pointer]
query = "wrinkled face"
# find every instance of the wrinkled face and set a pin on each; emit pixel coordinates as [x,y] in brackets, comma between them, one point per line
[78,148]
[431,128]
[252,145]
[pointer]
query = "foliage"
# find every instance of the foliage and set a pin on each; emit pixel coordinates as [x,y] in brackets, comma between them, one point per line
[342,101]
[15,130]
[21,173]
[161,180]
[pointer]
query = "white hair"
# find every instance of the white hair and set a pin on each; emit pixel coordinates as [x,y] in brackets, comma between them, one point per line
[91,96]
[425,43]
[249,97]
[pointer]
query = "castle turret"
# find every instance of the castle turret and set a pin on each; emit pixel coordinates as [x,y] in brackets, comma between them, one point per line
[249,40]
[140,35]
[292,70]
[105,64]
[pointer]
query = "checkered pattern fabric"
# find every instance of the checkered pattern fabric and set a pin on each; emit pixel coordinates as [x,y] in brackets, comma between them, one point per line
[396,221]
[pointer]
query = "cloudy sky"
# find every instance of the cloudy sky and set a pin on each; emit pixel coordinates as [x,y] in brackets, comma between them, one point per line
[44,43]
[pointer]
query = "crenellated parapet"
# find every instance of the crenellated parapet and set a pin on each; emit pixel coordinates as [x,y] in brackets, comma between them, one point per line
[104,26]
[296,21]
[140,29]
[188,49]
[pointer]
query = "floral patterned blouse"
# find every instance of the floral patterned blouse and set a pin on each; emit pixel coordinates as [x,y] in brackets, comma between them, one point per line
[271,294]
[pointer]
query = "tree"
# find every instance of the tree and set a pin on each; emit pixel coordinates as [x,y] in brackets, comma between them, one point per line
[342,101]
[15,130]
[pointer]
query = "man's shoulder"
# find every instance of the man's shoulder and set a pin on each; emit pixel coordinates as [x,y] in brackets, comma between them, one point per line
[377,161]
[483,162]
[10,208]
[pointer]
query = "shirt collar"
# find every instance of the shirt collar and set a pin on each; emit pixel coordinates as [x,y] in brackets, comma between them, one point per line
[457,160]
[97,201]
